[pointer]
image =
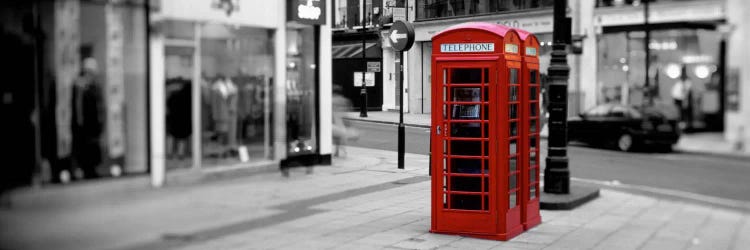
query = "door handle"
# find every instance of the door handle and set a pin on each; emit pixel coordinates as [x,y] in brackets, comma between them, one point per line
[438,129]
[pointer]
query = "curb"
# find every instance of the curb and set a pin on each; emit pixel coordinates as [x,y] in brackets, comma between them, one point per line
[730,155]
[387,122]
[578,195]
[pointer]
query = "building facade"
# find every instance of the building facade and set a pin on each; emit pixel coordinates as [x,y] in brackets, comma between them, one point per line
[683,34]
[608,56]
[430,17]
[700,40]
[77,102]
[143,87]
[251,78]
[737,76]
[357,48]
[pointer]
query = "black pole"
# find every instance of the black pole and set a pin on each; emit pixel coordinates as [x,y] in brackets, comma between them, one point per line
[722,81]
[401,128]
[37,114]
[147,19]
[363,91]
[647,85]
[556,173]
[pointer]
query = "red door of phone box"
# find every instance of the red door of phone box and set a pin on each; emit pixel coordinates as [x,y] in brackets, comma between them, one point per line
[478,139]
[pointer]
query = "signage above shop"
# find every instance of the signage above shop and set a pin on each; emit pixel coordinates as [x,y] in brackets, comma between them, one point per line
[260,14]
[692,11]
[227,6]
[307,11]
[537,24]
[467,47]
[373,66]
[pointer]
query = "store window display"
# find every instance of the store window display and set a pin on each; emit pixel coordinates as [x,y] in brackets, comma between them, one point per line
[236,74]
[301,89]
[99,75]
[233,67]
[677,56]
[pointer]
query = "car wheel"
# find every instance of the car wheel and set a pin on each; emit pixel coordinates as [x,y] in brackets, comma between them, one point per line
[625,142]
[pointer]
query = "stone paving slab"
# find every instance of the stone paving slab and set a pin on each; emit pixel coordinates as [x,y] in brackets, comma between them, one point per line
[360,202]
[617,220]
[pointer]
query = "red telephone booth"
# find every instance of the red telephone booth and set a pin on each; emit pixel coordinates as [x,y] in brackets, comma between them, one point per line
[477,134]
[530,85]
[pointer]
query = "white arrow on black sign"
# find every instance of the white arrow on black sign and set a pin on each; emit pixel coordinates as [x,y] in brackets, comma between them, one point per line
[402,35]
[395,36]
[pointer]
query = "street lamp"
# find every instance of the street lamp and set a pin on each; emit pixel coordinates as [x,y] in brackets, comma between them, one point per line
[363,91]
[557,189]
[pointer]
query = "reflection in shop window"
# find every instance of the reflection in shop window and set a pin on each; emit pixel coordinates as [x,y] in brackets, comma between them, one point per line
[301,89]
[234,70]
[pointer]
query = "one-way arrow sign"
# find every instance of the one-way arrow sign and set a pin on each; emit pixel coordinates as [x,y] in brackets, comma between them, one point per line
[402,35]
[395,36]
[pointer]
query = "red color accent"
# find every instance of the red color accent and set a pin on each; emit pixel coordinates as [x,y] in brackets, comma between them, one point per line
[480,135]
[530,212]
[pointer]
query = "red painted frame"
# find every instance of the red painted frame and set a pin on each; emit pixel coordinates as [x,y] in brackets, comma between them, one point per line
[531,164]
[495,218]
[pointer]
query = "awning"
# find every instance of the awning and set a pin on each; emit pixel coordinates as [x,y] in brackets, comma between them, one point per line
[354,51]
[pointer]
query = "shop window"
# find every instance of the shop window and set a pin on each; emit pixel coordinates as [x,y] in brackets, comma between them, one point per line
[301,89]
[431,9]
[233,68]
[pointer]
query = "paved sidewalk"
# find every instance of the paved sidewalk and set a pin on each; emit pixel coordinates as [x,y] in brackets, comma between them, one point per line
[361,202]
[701,143]
[710,143]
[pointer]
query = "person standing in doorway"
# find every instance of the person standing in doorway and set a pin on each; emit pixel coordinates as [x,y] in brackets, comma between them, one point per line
[680,95]
[88,119]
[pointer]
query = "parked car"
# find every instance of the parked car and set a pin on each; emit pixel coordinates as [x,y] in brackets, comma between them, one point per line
[625,127]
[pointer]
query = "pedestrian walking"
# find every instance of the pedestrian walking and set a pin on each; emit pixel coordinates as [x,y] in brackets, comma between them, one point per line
[342,131]
[681,97]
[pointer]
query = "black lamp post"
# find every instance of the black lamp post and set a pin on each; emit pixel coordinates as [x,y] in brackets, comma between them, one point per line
[363,91]
[558,193]
[556,173]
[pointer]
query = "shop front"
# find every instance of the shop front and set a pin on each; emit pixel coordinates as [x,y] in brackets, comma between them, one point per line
[349,63]
[688,56]
[76,103]
[685,61]
[238,83]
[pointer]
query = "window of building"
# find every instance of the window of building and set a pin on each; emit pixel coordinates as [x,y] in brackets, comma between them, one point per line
[635,3]
[233,67]
[432,9]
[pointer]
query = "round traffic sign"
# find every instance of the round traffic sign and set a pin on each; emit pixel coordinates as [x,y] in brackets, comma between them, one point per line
[401,35]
